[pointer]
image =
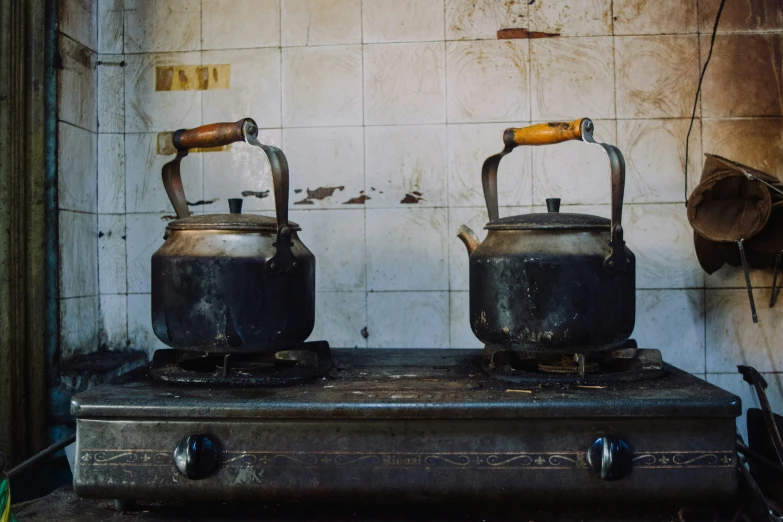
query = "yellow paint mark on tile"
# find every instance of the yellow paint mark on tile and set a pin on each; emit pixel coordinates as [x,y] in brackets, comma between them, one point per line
[192,77]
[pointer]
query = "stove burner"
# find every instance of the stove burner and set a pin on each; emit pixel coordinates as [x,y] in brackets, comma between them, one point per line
[291,366]
[626,364]
[567,365]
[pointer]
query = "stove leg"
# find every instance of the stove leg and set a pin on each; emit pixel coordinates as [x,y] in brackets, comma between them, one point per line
[124,504]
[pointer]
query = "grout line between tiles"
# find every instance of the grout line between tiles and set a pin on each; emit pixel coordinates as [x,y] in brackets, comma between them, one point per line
[507,122]
[447,207]
[560,37]
[364,175]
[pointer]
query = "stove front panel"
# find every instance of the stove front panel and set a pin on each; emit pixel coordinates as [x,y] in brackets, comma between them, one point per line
[409,460]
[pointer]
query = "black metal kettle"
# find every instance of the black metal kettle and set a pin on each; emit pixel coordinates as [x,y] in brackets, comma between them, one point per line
[231,282]
[552,282]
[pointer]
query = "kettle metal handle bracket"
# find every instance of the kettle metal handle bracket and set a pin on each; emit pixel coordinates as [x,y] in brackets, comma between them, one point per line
[558,132]
[283,260]
[224,134]
[617,260]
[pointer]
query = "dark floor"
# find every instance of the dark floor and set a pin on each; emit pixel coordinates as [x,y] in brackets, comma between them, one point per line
[64,506]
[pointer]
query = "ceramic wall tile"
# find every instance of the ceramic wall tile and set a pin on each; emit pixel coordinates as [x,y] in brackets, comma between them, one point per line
[406,165]
[114,322]
[336,238]
[673,322]
[744,77]
[148,109]
[572,77]
[469,146]
[460,334]
[143,186]
[111,93]
[111,19]
[482,19]
[760,146]
[487,81]
[749,16]
[78,239]
[322,86]
[79,326]
[254,89]
[326,166]
[734,383]
[240,24]
[321,22]
[408,319]
[79,20]
[554,168]
[144,235]
[659,17]
[416,259]
[243,171]
[140,333]
[575,18]
[656,76]
[404,83]
[76,84]
[340,318]
[402,21]
[111,173]
[603,210]
[112,274]
[654,153]
[734,277]
[152,26]
[77,179]
[733,339]
[662,240]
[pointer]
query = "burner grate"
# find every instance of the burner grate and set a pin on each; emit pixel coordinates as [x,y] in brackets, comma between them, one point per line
[252,369]
[627,364]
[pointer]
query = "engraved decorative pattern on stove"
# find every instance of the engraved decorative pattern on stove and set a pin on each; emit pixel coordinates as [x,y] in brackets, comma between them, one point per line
[696,459]
[511,460]
[100,457]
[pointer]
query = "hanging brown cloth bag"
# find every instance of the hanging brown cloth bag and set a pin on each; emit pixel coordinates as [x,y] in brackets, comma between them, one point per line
[737,216]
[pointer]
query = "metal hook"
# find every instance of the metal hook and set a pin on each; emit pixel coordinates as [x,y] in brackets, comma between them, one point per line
[747,280]
[773,296]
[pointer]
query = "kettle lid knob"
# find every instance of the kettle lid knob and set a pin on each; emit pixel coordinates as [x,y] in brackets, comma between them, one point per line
[553,205]
[235,205]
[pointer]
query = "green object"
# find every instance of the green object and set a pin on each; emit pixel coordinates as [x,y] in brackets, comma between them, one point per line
[5,500]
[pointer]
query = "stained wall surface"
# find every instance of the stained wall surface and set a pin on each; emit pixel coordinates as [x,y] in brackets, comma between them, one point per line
[386,111]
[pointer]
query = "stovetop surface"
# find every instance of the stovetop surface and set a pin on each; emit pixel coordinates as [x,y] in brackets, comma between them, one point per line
[407,384]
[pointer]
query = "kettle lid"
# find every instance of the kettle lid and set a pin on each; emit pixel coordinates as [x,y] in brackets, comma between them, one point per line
[551,220]
[243,222]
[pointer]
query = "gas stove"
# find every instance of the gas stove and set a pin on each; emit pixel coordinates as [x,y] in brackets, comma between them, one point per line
[409,425]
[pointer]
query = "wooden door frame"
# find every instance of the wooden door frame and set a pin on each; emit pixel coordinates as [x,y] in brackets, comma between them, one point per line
[27,231]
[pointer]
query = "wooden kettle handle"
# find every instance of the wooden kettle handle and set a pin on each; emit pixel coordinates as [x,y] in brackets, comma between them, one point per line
[546,133]
[213,135]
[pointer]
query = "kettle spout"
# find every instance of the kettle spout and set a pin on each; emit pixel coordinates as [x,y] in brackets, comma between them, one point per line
[469,238]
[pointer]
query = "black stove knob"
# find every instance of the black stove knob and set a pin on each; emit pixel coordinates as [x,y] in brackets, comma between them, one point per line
[196,456]
[610,458]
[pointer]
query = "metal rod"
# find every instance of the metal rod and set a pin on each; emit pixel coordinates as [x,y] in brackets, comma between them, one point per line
[747,280]
[755,379]
[769,185]
[761,459]
[773,296]
[54,448]
[226,364]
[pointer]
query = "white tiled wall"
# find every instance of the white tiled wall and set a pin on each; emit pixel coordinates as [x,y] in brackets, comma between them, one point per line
[77,183]
[394,99]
